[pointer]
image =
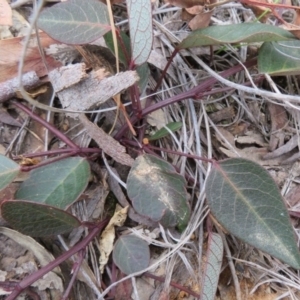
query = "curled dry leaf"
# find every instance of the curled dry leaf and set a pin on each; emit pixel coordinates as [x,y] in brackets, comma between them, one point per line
[286,148]
[108,235]
[107,143]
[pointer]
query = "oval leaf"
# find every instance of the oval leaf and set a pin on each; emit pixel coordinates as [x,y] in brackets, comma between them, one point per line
[140,26]
[236,33]
[58,184]
[173,126]
[75,21]
[37,219]
[157,191]
[8,171]
[131,254]
[246,201]
[212,267]
[282,58]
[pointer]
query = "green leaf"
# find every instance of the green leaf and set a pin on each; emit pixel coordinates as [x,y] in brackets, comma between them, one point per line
[158,192]
[212,267]
[281,58]
[58,184]
[173,126]
[37,219]
[124,59]
[246,201]
[8,171]
[237,33]
[131,254]
[141,29]
[75,22]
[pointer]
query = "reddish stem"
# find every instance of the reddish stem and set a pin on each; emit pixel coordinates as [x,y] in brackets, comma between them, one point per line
[72,151]
[196,92]
[180,153]
[172,283]
[51,128]
[77,266]
[44,270]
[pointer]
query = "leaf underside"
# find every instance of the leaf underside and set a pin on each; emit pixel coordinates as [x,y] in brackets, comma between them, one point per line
[246,201]
[141,29]
[213,266]
[75,22]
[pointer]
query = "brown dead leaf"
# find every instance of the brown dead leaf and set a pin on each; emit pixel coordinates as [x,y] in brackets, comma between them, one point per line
[5,13]
[124,290]
[10,53]
[186,16]
[279,120]
[296,20]
[250,152]
[201,20]
[293,29]
[107,143]
[286,148]
[195,10]
[223,114]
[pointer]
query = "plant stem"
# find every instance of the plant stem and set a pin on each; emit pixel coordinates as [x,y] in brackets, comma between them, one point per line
[72,151]
[196,157]
[195,93]
[55,131]
[44,270]
[174,284]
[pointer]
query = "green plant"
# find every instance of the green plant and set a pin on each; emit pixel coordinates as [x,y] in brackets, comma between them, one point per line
[238,190]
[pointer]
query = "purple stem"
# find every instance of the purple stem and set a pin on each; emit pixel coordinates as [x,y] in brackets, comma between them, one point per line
[174,284]
[44,270]
[72,151]
[195,93]
[55,131]
[77,265]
